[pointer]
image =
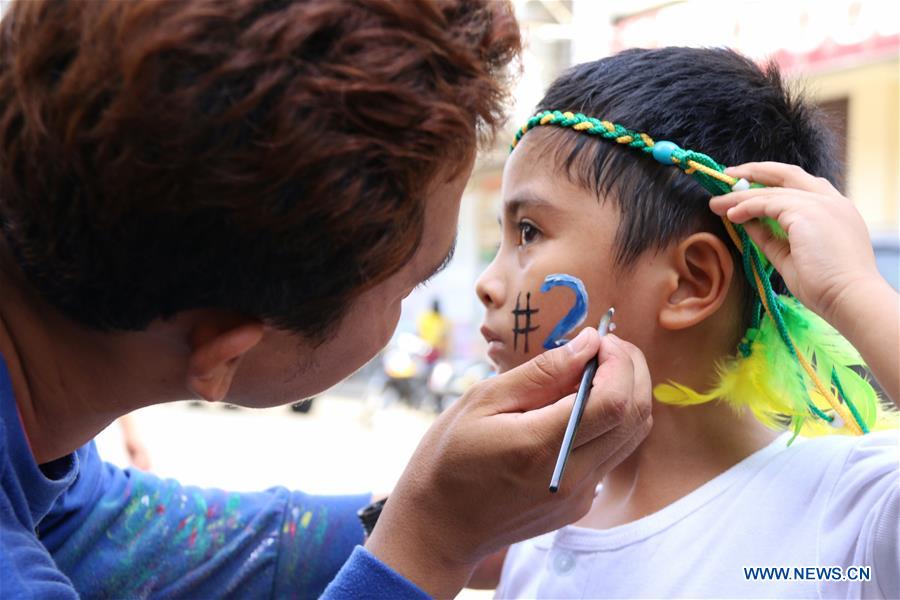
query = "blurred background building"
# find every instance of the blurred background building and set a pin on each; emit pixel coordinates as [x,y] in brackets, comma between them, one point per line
[844,53]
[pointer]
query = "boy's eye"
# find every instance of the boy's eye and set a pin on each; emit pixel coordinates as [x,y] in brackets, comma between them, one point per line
[527,233]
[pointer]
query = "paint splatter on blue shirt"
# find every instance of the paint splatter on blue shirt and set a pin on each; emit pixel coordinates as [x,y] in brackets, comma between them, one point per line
[79,526]
[129,534]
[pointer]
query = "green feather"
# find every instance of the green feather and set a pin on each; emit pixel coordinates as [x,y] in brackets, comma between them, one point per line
[860,392]
[771,383]
[775,227]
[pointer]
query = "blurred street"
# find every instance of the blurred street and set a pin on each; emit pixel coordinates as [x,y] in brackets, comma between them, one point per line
[333,449]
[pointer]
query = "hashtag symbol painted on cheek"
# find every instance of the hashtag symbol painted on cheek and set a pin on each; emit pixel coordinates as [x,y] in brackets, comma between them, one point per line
[525,313]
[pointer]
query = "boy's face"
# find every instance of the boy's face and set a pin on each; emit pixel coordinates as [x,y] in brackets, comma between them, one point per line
[552,226]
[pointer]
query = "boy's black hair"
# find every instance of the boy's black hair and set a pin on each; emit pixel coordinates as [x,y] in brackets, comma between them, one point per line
[713,101]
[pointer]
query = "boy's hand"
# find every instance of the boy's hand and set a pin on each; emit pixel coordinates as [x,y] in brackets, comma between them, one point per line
[479,479]
[828,254]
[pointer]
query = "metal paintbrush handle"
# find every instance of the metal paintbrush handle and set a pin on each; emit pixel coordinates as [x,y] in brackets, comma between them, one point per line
[584,389]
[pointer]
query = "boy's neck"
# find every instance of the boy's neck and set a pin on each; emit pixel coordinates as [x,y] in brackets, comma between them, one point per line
[688,445]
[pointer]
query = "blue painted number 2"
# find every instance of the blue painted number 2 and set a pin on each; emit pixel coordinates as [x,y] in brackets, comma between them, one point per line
[576,314]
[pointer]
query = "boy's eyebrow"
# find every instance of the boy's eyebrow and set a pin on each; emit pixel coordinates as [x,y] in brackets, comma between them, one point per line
[528,200]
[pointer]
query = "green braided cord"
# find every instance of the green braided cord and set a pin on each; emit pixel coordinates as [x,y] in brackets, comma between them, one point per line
[798,425]
[752,256]
[756,310]
[745,258]
[818,412]
[711,184]
[847,401]
[756,317]
[773,300]
[597,129]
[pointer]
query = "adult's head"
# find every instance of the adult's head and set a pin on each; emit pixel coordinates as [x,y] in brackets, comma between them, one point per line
[249,175]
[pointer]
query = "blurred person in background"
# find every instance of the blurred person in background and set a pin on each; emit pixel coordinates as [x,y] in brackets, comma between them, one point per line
[434,328]
[138,455]
[228,201]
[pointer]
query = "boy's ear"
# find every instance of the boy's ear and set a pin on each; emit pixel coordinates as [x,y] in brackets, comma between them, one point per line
[702,268]
[216,349]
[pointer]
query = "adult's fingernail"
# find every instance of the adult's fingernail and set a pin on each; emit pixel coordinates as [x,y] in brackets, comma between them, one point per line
[579,343]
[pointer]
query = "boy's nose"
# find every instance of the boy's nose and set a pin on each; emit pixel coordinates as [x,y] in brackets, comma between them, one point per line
[490,288]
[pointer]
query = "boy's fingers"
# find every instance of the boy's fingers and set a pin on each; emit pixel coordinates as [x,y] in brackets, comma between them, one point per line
[775,174]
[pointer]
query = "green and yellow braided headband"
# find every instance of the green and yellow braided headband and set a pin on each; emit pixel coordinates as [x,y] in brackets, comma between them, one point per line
[783,360]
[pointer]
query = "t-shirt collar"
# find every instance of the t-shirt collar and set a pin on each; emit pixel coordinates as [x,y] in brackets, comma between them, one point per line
[38,485]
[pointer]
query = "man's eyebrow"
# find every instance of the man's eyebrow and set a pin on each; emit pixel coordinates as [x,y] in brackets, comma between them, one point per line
[443,264]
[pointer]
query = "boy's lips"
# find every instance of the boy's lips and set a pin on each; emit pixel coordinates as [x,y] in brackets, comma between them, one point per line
[495,343]
[489,335]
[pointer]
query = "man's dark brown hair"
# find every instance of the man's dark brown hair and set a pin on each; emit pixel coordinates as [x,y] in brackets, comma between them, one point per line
[264,156]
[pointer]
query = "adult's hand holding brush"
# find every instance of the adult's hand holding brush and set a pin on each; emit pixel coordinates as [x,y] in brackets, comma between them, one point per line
[478,480]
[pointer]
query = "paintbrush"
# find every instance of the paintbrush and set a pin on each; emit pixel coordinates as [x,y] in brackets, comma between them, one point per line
[581,397]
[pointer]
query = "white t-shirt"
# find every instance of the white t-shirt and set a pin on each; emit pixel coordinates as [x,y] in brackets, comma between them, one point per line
[824,502]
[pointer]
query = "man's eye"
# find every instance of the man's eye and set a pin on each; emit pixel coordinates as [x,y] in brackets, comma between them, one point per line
[527,233]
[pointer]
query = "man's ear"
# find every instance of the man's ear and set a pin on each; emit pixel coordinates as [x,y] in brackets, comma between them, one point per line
[702,268]
[217,345]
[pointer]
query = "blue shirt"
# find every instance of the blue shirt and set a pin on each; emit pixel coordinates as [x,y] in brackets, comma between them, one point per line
[78,526]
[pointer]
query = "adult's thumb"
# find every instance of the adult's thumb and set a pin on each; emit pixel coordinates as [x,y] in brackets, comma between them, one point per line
[547,377]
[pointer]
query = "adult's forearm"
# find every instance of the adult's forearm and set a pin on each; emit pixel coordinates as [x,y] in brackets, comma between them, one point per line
[869,317]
